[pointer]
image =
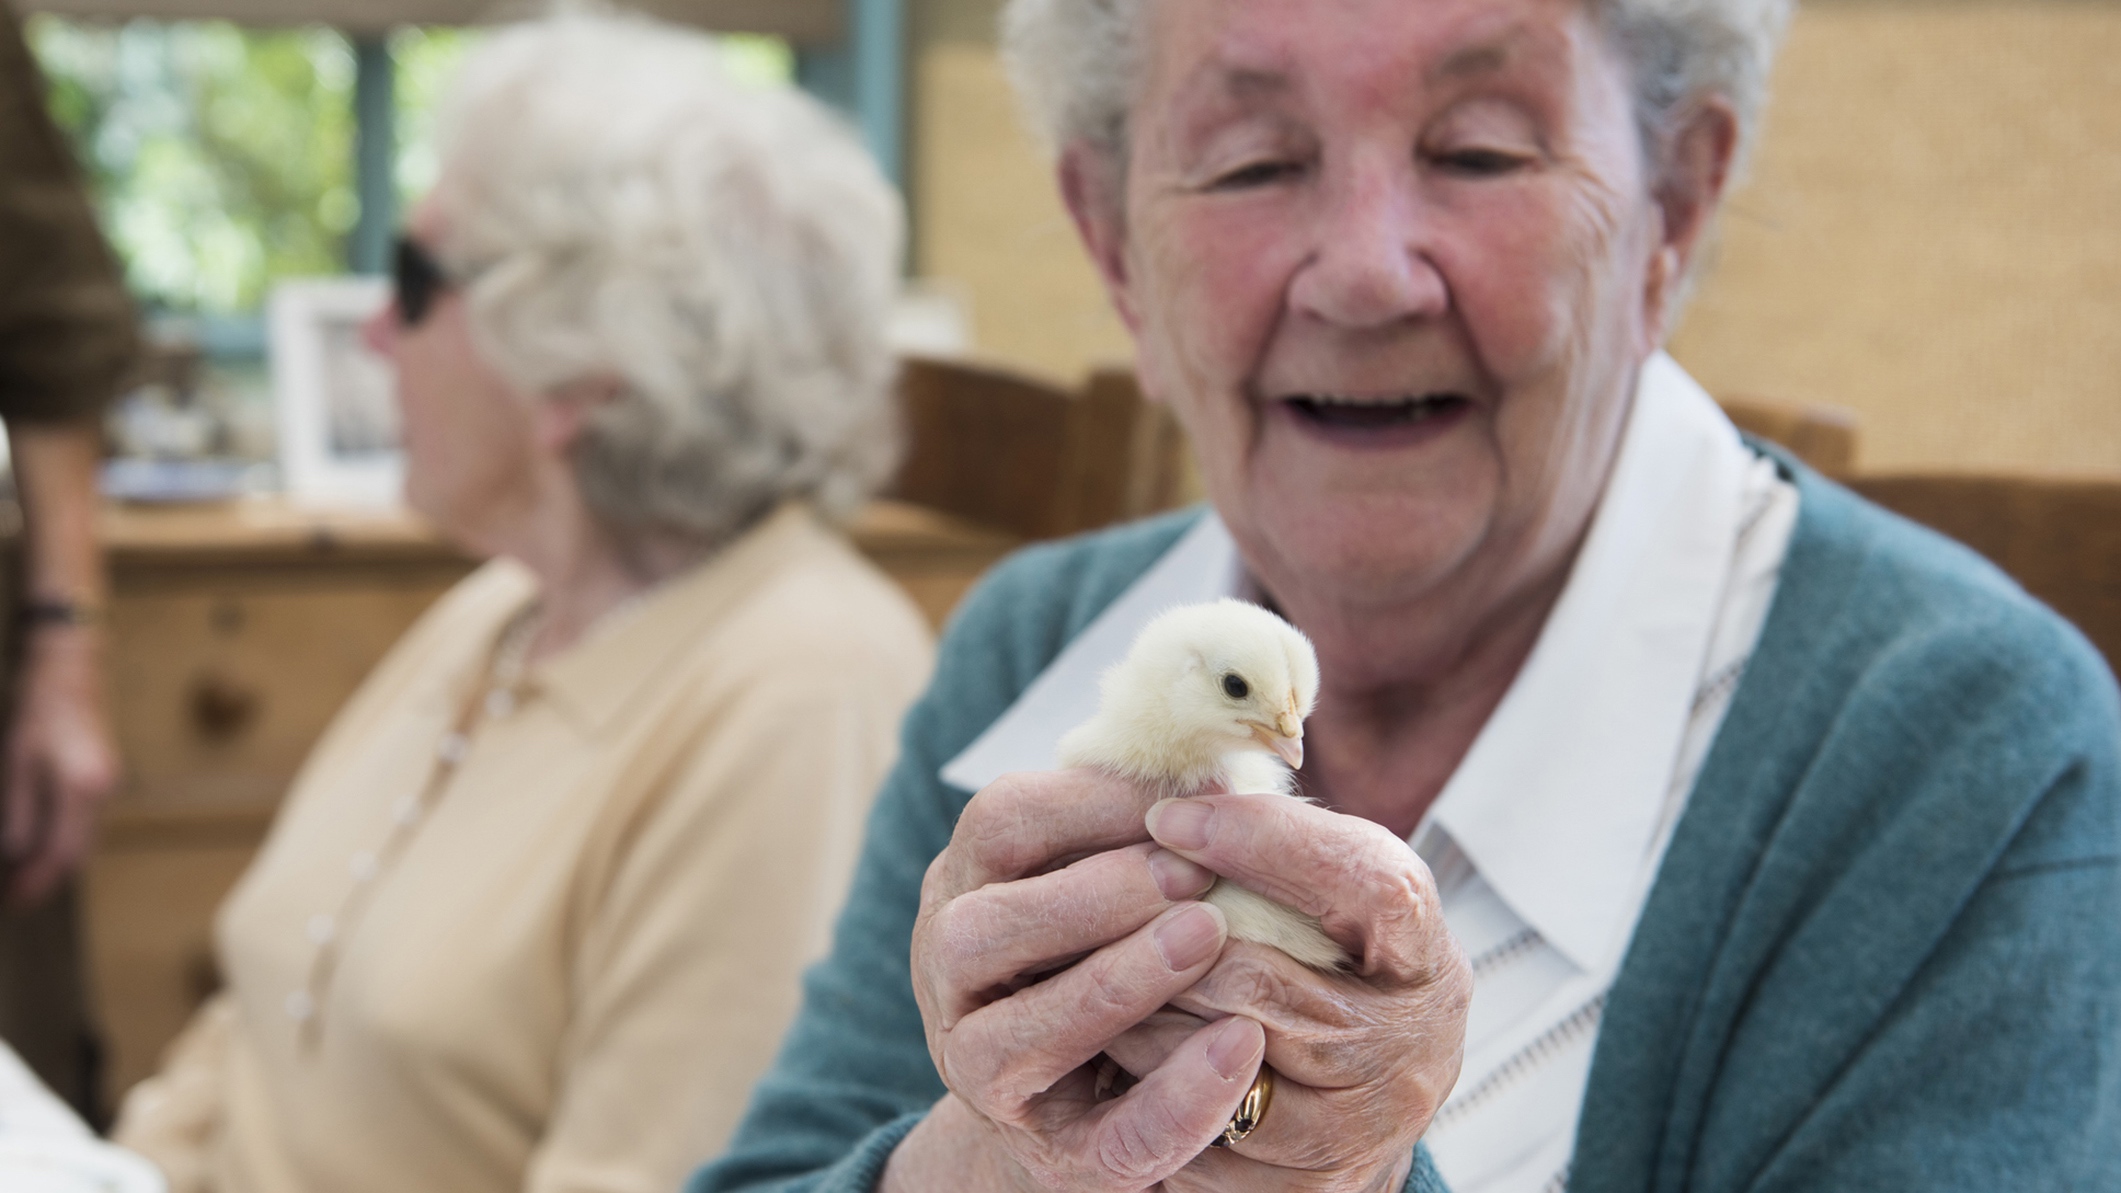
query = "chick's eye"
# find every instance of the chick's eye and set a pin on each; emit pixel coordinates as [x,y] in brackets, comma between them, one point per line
[1235,687]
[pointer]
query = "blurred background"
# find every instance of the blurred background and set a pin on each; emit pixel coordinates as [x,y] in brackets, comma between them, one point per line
[1927,237]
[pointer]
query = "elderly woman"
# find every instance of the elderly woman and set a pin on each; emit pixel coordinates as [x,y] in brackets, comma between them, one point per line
[1771,842]
[532,916]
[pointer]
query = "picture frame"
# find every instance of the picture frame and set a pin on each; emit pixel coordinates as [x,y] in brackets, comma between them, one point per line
[336,414]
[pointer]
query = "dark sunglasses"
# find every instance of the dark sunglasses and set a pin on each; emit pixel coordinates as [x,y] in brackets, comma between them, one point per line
[418,278]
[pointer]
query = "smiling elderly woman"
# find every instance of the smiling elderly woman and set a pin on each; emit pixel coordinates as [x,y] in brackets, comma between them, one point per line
[532,916]
[1781,836]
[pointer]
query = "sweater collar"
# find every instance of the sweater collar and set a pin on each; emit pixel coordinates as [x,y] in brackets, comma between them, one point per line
[1559,801]
[1560,797]
[593,681]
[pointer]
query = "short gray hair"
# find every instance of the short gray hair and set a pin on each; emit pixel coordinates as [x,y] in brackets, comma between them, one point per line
[726,253]
[1075,62]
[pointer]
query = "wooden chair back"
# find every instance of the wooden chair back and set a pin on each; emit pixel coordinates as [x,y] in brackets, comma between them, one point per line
[2061,539]
[1822,436]
[1030,458]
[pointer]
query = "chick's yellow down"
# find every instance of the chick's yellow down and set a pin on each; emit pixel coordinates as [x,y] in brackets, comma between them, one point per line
[1214,696]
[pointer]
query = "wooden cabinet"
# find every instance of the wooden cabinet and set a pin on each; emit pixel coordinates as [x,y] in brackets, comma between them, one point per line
[236,633]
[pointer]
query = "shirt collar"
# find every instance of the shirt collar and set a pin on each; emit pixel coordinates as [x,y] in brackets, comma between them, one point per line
[1557,803]
[592,681]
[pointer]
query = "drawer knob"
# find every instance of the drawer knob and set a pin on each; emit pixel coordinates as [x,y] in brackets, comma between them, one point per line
[221,708]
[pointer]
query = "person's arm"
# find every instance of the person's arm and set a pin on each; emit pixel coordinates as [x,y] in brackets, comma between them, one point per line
[61,762]
[170,1118]
[1903,974]
[2000,1068]
[67,338]
[689,971]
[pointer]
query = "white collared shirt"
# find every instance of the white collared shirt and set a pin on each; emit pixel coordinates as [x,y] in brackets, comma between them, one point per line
[1547,836]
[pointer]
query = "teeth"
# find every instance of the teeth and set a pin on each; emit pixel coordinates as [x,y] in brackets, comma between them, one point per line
[1350,400]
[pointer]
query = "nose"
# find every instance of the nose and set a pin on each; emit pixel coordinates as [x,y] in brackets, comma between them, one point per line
[1370,266]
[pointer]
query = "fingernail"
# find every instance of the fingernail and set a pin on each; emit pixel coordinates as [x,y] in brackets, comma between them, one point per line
[1181,823]
[1234,1051]
[1190,936]
[1178,878]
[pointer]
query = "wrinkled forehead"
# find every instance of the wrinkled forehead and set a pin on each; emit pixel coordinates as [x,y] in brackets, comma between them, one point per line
[1204,55]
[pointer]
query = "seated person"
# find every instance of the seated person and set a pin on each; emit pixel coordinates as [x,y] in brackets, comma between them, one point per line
[1690,824]
[532,915]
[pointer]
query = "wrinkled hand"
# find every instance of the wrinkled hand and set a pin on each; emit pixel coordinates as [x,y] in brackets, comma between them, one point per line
[1049,927]
[1050,932]
[61,764]
[1364,1058]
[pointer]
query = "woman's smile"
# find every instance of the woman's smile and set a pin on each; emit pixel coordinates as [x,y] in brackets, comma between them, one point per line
[1373,423]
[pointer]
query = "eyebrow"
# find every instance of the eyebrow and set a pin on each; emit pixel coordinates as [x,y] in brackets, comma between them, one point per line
[1252,82]
[1475,60]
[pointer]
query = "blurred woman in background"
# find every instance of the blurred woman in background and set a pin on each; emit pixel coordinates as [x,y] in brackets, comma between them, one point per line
[533,913]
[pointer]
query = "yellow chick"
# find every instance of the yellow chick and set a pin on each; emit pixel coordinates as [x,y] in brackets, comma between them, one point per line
[1214,694]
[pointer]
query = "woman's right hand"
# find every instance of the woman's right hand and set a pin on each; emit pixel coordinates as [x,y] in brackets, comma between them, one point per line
[1049,927]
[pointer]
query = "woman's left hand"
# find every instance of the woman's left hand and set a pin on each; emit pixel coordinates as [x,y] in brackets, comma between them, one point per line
[1363,1058]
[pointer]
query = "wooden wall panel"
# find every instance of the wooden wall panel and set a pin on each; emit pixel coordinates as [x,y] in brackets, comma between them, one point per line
[1930,236]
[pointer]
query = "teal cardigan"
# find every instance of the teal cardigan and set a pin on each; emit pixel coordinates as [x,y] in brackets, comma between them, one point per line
[1882,953]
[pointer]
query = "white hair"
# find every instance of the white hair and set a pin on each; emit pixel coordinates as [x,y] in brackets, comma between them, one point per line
[1075,62]
[727,254]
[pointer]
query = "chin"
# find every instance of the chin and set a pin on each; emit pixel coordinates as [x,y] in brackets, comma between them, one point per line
[1371,550]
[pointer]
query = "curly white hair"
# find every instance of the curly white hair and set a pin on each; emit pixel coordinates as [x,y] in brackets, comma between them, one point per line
[620,209]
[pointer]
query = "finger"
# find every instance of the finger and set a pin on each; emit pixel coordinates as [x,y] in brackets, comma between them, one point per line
[1316,1130]
[37,870]
[34,879]
[1028,823]
[73,830]
[989,939]
[1148,1044]
[23,815]
[1323,1029]
[1160,1125]
[1002,1056]
[1369,890]
[1334,1032]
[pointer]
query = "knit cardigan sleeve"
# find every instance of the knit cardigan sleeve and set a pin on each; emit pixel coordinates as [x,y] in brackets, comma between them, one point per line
[853,1076]
[1881,953]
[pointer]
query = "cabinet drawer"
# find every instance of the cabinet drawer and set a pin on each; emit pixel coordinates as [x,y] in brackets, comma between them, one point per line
[220,689]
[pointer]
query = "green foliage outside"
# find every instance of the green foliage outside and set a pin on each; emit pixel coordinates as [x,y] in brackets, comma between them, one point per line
[223,156]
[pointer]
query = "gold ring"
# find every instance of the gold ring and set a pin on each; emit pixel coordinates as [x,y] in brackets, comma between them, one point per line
[1250,1110]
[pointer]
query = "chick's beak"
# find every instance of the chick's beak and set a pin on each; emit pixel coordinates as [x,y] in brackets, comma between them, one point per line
[1285,739]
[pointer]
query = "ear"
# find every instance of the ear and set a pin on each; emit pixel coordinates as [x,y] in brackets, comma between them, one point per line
[1095,193]
[1090,185]
[1697,166]
[557,418]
